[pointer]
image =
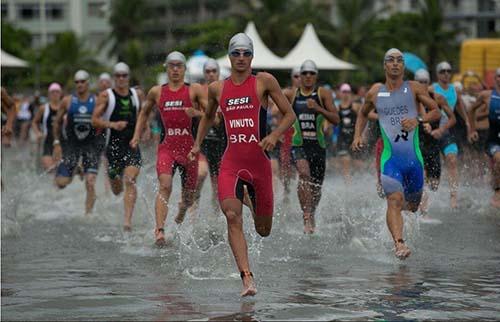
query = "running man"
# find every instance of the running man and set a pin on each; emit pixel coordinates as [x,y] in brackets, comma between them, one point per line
[81,138]
[402,171]
[490,98]
[116,111]
[178,104]
[448,140]
[313,105]
[348,109]
[430,135]
[46,117]
[104,82]
[245,170]
[214,144]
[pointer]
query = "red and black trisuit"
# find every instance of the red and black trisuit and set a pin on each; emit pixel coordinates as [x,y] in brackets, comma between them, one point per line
[173,151]
[244,162]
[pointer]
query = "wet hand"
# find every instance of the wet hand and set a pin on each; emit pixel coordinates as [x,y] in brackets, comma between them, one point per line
[409,124]
[269,142]
[437,133]
[134,142]
[357,144]
[194,152]
[311,104]
[191,112]
[118,126]
[473,137]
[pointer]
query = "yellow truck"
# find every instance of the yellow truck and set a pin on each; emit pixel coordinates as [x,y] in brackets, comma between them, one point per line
[480,57]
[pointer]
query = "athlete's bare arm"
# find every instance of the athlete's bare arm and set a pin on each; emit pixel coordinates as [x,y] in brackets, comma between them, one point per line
[270,87]
[481,101]
[362,118]
[150,101]
[199,100]
[462,112]
[330,111]
[63,109]
[100,107]
[35,124]
[207,120]
[443,105]
[289,94]
[9,108]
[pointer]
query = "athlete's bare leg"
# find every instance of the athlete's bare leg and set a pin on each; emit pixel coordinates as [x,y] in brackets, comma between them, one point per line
[395,223]
[495,200]
[452,167]
[346,168]
[48,163]
[129,178]
[232,209]
[62,182]
[90,179]
[215,204]
[304,192]
[202,175]
[161,206]
[187,201]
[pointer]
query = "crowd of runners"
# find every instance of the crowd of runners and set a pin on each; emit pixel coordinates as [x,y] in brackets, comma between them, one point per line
[251,135]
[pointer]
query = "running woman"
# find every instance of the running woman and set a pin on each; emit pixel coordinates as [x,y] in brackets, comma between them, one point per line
[313,105]
[178,104]
[46,117]
[245,170]
[490,98]
[402,169]
[116,111]
[448,140]
[81,138]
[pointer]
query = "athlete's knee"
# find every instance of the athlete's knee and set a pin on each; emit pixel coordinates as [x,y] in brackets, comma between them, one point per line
[90,181]
[62,182]
[116,187]
[451,160]
[233,217]
[395,200]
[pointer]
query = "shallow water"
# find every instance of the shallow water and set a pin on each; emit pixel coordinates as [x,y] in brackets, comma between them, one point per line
[57,265]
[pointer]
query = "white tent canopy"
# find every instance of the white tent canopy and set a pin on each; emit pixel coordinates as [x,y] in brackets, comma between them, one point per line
[7,60]
[263,58]
[310,47]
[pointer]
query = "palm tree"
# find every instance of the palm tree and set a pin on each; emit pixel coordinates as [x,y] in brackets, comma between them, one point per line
[436,41]
[62,58]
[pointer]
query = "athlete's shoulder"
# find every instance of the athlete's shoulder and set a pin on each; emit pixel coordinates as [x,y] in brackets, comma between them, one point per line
[374,89]
[417,87]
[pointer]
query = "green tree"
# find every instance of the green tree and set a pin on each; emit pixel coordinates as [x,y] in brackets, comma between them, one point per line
[62,58]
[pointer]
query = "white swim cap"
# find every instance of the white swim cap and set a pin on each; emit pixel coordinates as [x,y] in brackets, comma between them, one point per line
[175,56]
[121,67]
[391,52]
[308,66]
[444,65]
[210,64]
[81,75]
[422,75]
[104,76]
[240,41]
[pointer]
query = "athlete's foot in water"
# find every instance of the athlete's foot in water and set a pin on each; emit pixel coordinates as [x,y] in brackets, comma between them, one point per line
[160,237]
[127,228]
[180,215]
[453,200]
[308,223]
[495,200]
[401,250]
[249,288]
